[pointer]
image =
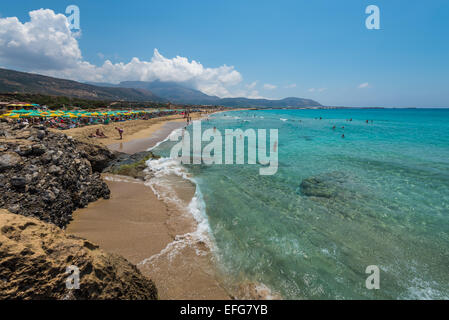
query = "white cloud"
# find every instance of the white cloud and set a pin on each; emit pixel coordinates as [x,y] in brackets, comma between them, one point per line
[268,86]
[46,45]
[252,85]
[317,89]
[45,42]
[363,85]
[293,85]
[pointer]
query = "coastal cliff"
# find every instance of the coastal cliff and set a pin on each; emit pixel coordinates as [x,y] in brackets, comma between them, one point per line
[44,177]
[48,175]
[34,256]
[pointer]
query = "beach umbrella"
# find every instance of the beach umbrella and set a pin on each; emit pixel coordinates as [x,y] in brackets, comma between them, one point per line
[34,114]
[14,116]
[22,111]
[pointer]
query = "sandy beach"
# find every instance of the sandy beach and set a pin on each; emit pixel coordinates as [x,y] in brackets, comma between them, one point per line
[134,132]
[156,235]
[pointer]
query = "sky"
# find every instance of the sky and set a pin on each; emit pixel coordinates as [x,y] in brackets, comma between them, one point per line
[318,49]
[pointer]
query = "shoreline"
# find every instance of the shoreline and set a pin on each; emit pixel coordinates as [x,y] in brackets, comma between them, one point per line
[158,235]
[133,130]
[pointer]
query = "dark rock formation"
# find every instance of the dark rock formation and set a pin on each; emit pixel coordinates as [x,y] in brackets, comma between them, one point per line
[98,157]
[328,185]
[34,257]
[132,165]
[48,175]
[337,191]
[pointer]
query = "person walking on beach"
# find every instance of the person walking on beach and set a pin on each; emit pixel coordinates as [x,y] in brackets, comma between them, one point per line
[120,132]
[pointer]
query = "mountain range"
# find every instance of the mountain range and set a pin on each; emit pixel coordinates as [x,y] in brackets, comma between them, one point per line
[22,82]
[182,94]
[156,91]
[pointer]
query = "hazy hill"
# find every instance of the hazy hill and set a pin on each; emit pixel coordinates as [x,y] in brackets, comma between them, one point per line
[22,82]
[291,102]
[179,93]
[155,91]
[172,91]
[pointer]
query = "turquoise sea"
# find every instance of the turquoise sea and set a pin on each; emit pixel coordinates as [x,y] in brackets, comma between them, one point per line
[378,196]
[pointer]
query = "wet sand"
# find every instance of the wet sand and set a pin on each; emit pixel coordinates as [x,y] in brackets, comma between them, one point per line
[156,235]
[141,144]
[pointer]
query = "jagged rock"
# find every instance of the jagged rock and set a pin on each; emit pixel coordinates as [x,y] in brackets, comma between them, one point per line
[34,257]
[24,150]
[98,157]
[18,182]
[38,149]
[54,169]
[9,160]
[40,134]
[23,135]
[28,182]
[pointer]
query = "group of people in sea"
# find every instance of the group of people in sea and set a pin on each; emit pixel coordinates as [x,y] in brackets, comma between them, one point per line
[349,120]
[343,127]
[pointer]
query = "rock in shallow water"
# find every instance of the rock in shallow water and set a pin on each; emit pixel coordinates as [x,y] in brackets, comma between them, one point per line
[328,185]
[338,192]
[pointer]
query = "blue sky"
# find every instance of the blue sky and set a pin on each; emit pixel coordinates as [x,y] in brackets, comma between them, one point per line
[314,49]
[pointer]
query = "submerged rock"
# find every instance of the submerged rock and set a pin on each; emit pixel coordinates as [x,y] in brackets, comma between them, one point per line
[336,191]
[34,257]
[328,185]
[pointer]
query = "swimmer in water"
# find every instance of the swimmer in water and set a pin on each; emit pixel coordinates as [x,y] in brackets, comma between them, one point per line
[333,128]
[343,135]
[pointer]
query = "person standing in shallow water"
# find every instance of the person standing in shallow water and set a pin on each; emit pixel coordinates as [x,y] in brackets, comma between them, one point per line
[120,132]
